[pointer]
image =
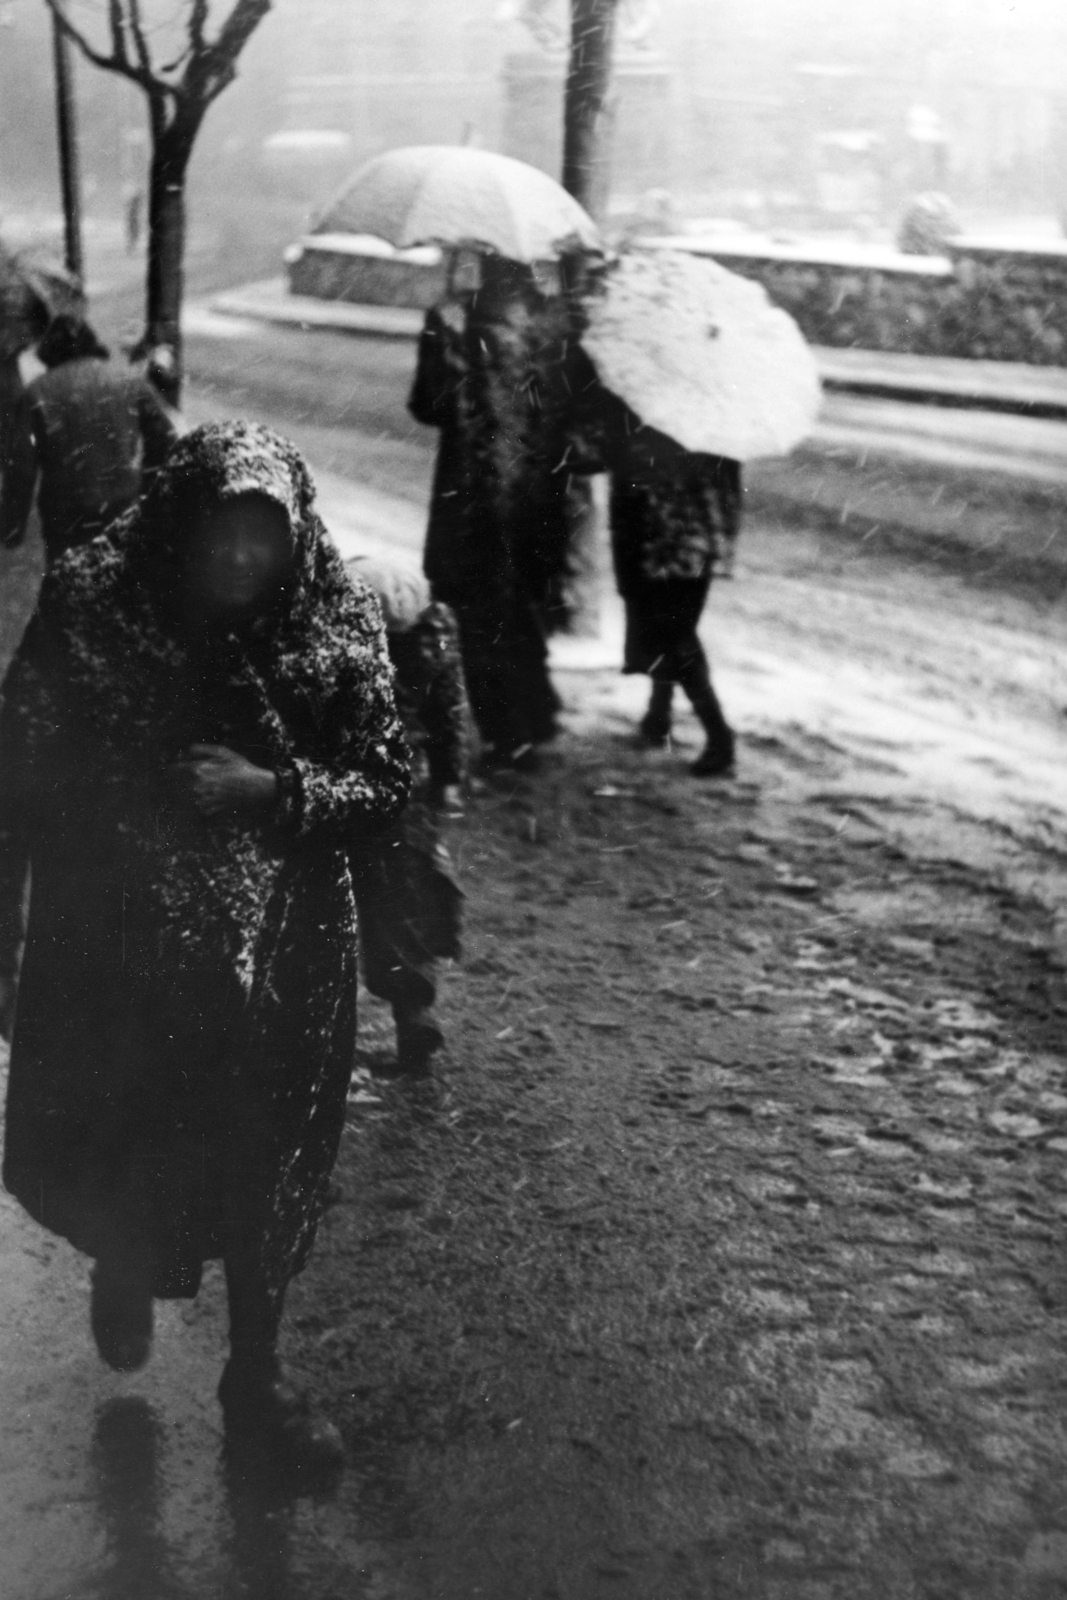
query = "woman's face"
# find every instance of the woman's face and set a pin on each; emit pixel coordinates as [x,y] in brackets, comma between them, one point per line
[238,557]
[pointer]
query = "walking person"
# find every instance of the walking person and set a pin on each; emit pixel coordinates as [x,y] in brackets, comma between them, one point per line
[408,902]
[490,369]
[23,320]
[694,373]
[675,516]
[196,730]
[81,437]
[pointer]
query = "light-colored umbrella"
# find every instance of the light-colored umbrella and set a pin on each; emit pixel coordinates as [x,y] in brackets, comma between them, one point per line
[702,355]
[454,196]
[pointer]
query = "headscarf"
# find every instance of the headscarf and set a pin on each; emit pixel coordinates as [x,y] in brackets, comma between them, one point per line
[305,690]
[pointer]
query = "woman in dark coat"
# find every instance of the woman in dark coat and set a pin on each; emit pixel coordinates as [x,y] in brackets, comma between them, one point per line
[492,376]
[675,516]
[198,725]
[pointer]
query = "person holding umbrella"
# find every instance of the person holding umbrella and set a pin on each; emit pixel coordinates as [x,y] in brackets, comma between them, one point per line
[675,515]
[492,378]
[693,372]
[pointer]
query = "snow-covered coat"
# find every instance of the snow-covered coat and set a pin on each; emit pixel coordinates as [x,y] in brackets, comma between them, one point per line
[186,1010]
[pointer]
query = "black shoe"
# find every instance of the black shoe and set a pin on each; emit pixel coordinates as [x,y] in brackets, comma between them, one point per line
[264,1415]
[120,1315]
[418,1037]
[716,760]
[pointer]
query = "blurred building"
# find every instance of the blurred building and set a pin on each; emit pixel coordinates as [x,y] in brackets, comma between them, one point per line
[825,113]
[829,110]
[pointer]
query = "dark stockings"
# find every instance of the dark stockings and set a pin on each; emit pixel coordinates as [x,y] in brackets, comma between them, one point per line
[695,678]
[255,1315]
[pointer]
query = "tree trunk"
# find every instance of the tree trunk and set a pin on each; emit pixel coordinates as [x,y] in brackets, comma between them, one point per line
[587,107]
[171,149]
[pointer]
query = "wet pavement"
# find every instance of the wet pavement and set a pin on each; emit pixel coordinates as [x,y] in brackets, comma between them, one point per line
[115,1488]
[727,1262]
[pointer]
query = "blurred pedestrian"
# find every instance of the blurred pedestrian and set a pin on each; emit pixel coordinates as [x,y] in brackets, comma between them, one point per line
[407,899]
[491,376]
[23,319]
[84,432]
[197,728]
[675,516]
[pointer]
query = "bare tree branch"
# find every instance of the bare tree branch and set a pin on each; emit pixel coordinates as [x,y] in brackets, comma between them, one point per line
[118,61]
[197,24]
[140,43]
[231,39]
[111,63]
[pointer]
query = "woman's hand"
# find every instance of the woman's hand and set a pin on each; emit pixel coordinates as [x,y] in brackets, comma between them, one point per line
[220,780]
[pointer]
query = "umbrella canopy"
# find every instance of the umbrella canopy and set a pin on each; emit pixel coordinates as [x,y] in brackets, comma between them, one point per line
[702,355]
[454,196]
[32,292]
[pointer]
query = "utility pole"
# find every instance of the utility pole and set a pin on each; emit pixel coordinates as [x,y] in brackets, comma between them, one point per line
[587,119]
[67,132]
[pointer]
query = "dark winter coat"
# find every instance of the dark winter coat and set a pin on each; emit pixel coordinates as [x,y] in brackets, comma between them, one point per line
[186,1010]
[85,430]
[493,375]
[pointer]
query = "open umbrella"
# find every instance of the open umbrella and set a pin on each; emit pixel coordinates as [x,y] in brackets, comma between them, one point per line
[32,292]
[454,196]
[702,355]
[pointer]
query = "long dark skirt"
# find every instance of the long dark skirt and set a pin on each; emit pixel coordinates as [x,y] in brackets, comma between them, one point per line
[505,664]
[662,616]
[176,1119]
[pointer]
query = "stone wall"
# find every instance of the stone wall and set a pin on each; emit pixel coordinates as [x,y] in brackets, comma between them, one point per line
[986,301]
[365,271]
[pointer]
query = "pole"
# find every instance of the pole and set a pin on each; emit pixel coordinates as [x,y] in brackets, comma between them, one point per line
[587,103]
[587,120]
[67,132]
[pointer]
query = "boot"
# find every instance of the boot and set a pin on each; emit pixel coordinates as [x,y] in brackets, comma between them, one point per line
[717,757]
[120,1313]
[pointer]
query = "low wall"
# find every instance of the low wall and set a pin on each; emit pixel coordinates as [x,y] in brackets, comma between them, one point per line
[985,300]
[365,271]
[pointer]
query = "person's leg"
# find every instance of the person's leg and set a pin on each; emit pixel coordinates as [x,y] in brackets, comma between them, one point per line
[489,668]
[532,688]
[396,965]
[260,1407]
[694,675]
[655,725]
[120,1308]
